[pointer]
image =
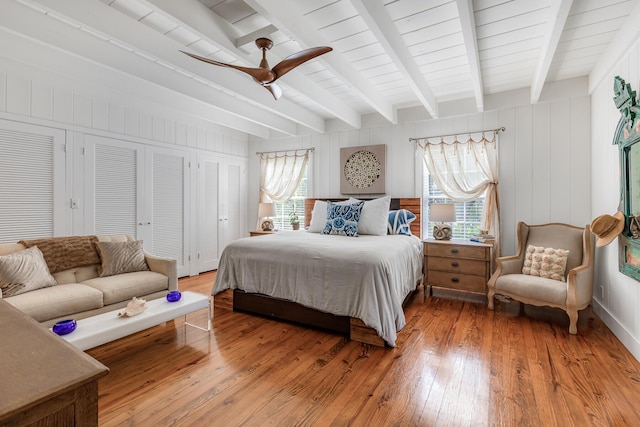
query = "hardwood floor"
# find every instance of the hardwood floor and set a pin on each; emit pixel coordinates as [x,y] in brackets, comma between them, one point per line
[455,364]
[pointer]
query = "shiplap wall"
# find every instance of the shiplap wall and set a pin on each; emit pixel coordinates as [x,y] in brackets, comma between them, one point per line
[544,160]
[43,97]
[616,295]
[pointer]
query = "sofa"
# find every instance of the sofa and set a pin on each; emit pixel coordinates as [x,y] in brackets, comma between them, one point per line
[81,276]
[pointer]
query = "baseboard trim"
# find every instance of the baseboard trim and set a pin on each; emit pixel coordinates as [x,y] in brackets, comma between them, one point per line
[627,339]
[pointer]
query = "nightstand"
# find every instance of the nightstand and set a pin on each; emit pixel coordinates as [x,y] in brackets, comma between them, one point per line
[461,266]
[259,233]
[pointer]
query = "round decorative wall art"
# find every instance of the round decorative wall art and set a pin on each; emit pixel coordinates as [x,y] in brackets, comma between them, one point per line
[362,169]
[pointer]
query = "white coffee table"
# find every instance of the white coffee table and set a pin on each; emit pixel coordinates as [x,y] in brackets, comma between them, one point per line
[106,327]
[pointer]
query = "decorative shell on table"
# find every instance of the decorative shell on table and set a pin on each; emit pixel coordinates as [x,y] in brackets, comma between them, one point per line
[135,306]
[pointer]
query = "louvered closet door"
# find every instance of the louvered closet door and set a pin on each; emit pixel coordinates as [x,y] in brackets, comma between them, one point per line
[208,218]
[32,182]
[114,187]
[169,191]
[141,191]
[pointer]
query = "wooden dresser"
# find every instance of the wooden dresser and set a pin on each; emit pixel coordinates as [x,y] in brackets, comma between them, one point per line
[458,265]
[45,381]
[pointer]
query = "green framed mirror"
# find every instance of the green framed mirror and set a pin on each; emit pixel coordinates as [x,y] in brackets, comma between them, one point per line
[627,137]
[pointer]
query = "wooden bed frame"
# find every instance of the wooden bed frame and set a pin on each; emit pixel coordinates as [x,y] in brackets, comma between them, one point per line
[281,309]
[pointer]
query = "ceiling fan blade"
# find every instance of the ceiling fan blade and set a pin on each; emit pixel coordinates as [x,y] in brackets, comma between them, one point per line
[275,90]
[262,75]
[292,61]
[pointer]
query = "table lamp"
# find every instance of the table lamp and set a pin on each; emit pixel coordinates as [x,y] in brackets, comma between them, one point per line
[265,212]
[441,213]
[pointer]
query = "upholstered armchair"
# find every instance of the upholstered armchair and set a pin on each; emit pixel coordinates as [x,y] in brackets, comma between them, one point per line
[572,294]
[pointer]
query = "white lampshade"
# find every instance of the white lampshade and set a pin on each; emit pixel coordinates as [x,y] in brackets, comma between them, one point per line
[442,212]
[266,210]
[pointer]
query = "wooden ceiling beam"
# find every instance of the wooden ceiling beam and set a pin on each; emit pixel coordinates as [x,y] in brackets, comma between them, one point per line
[468,24]
[377,18]
[252,36]
[558,14]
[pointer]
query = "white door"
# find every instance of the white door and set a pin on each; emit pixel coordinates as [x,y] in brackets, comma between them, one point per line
[232,214]
[167,187]
[114,187]
[138,190]
[208,217]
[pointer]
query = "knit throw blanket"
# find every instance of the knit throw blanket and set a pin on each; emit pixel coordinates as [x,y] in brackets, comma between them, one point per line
[63,253]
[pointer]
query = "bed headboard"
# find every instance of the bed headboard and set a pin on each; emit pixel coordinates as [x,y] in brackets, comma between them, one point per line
[413,204]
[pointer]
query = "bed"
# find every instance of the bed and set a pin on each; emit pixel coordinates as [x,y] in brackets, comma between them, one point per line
[343,284]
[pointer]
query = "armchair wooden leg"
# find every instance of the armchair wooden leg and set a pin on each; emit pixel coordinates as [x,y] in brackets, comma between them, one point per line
[573,321]
[490,295]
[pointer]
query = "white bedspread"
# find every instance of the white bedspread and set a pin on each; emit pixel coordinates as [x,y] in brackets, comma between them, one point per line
[366,277]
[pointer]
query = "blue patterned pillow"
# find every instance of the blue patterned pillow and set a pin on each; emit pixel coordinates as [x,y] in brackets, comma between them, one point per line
[399,222]
[343,219]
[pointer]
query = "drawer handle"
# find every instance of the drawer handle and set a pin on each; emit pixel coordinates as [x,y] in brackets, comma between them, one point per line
[455,279]
[454,251]
[454,264]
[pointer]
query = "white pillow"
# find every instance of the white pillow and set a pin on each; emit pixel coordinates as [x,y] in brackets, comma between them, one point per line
[319,215]
[375,216]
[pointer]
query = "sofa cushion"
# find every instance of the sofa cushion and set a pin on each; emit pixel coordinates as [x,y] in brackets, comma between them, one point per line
[57,301]
[128,285]
[121,257]
[24,271]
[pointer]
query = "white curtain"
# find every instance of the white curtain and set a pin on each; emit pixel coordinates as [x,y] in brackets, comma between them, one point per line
[464,170]
[280,174]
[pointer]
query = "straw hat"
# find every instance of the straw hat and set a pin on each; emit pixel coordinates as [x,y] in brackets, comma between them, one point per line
[607,227]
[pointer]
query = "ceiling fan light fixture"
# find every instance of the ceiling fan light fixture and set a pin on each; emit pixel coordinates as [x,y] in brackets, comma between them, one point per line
[263,74]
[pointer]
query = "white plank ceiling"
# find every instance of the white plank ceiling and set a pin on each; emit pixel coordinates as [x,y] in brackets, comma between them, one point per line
[387,54]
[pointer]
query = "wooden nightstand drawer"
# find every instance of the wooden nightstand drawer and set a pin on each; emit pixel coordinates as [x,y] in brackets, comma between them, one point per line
[457,251]
[259,233]
[460,282]
[455,265]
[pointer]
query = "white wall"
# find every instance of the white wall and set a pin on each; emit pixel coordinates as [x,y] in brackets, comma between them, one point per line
[616,295]
[544,156]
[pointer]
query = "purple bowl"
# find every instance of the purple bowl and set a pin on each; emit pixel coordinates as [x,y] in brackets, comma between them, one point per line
[65,327]
[174,296]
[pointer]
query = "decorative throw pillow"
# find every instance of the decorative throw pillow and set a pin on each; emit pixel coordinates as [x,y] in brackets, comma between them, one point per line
[319,215]
[24,271]
[545,262]
[121,257]
[343,219]
[399,222]
[374,215]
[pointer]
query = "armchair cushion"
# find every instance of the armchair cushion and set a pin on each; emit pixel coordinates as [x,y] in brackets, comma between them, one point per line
[532,288]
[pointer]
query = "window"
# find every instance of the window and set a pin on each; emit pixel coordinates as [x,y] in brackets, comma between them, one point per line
[294,204]
[468,214]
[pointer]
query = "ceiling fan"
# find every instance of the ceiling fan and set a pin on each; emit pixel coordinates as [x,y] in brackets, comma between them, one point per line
[267,76]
